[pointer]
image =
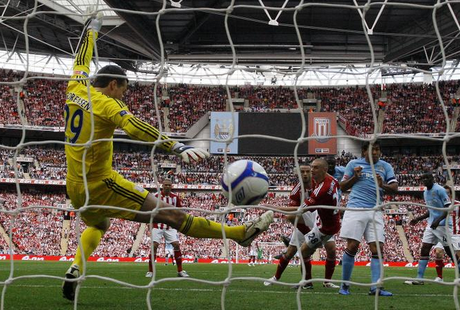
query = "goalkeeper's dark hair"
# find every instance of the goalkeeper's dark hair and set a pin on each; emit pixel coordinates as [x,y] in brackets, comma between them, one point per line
[104,80]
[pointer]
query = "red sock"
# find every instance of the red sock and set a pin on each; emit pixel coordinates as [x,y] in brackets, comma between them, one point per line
[330,267]
[178,257]
[307,262]
[150,261]
[281,267]
[439,266]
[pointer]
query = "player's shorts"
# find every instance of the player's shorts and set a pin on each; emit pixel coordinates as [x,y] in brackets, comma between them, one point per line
[315,238]
[297,238]
[170,235]
[112,191]
[356,224]
[433,236]
[309,218]
[253,252]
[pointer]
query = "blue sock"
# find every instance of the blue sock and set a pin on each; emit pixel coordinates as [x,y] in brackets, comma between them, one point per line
[348,262]
[421,268]
[375,271]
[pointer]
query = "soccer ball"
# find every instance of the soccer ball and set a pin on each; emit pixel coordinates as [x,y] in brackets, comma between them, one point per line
[248,181]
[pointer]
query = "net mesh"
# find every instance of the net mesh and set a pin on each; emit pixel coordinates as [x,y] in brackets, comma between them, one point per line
[448,134]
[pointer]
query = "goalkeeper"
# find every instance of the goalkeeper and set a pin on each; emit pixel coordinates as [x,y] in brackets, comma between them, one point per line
[93,160]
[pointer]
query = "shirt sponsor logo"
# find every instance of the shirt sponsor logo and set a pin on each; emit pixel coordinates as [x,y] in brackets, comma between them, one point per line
[123,113]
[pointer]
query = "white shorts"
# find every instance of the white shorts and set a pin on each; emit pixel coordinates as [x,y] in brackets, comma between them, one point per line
[433,236]
[170,235]
[253,252]
[356,224]
[309,218]
[297,238]
[316,239]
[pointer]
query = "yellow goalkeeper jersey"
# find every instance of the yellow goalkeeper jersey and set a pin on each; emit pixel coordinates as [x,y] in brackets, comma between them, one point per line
[108,114]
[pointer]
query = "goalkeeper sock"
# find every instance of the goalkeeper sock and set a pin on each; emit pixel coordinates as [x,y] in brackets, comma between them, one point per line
[284,262]
[439,266]
[422,263]
[375,270]
[348,262]
[200,227]
[330,268]
[90,239]
[178,257]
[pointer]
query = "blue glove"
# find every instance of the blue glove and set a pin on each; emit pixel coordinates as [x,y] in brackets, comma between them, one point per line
[189,153]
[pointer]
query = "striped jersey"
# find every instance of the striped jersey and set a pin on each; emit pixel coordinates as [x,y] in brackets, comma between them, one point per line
[456,218]
[107,114]
[171,199]
[325,194]
[295,196]
[295,201]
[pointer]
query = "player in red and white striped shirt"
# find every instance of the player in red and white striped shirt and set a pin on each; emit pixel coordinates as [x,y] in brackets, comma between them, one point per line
[168,233]
[325,192]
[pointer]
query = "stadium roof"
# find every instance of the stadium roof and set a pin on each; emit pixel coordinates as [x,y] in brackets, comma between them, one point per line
[261,33]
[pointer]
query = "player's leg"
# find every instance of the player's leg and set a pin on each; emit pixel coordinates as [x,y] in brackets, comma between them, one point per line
[200,227]
[376,238]
[330,263]
[171,237]
[283,263]
[90,239]
[178,257]
[424,259]
[353,227]
[439,260]
[156,236]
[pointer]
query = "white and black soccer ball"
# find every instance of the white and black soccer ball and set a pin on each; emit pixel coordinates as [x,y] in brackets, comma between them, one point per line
[248,181]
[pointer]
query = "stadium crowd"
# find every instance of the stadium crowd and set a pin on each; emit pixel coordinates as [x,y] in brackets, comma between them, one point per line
[37,230]
[49,164]
[182,105]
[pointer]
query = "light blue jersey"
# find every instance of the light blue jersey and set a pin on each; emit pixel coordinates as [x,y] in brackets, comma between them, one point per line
[437,197]
[338,175]
[339,172]
[363,194]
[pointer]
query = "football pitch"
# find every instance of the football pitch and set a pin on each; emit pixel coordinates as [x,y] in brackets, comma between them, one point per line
[179,293]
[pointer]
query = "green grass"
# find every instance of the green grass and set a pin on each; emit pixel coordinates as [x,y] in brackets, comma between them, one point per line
[45,293]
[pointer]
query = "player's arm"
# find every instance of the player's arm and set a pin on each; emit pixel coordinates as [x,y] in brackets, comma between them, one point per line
[351,176]
[420,218]
[446,201]
[390,186]
[142,131]
[85,51]
[438,220]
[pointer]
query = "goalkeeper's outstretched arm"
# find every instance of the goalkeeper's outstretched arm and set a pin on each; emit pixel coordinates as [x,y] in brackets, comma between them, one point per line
[85,51]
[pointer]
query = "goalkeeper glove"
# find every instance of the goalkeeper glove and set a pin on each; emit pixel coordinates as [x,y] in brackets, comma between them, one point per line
[189,152]
[94,21]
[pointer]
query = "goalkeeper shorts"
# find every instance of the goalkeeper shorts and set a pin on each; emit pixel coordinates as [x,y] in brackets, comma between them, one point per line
[112,191]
